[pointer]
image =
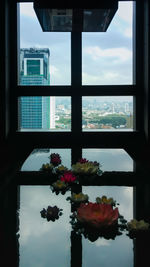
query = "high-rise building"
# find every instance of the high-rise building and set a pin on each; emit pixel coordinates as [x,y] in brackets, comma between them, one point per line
[35,112]
[126,108]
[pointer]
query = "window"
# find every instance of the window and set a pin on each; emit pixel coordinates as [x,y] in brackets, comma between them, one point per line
[50,50]
[44,113]
[107,113]
[107,56]
[91,72]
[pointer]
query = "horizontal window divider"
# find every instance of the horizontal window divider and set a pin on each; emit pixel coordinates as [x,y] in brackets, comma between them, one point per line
[86,140]
[108,90]
[109,178]
[85,90]
[43,90]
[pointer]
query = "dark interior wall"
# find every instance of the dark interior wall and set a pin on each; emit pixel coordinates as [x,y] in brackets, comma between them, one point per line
[2,72]
[146,69]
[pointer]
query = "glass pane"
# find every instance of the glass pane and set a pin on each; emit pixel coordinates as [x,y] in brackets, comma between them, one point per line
[107,56]
[45,57]
[107,113]
[108,252]
[43,243]
[109,159]
[41,113]
[38,157]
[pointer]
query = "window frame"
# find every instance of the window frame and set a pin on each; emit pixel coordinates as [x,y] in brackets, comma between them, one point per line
[76,90]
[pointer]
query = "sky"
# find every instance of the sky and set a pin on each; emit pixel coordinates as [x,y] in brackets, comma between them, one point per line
[106,57]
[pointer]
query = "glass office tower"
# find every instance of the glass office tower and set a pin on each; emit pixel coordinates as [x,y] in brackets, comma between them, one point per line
[35,112]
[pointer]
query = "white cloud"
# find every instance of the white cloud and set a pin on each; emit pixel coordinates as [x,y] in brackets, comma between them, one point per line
[119,54]
[54,70]
[102,242]
[128,32]
[26,9]
[125,11]
[103,78]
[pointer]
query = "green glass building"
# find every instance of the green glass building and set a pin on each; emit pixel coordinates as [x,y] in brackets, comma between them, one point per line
[34,112]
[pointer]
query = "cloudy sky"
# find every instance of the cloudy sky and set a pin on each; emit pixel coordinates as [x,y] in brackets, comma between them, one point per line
[106,57]
[44,244]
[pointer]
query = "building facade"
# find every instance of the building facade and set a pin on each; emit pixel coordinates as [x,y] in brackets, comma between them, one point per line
[35,112]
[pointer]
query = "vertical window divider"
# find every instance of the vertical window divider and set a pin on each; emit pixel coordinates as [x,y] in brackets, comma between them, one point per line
[76,80]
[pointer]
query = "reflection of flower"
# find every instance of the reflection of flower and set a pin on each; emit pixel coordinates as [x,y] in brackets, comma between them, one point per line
[83,160]
[47,167]
[97,220]
[135,225]
[89,168]
[97,215]
[60,185]
[68,177]
[105,200]
[55,159]
[78,198]
[51,214]
[61,169]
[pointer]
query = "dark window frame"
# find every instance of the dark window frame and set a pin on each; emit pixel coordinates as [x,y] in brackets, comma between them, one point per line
[77,90]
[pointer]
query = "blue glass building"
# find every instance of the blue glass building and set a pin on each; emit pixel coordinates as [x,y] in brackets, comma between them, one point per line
[34,112]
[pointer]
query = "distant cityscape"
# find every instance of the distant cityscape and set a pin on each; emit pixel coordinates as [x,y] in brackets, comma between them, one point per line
[107,114]
[54,113]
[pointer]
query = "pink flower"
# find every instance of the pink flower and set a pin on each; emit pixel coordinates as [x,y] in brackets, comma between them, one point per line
[83,160]
[97,215]
[55,159]
[68,177]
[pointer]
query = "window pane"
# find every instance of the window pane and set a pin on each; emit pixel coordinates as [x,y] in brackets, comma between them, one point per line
[106,251]
[39,240]
[107,113]
[107,56]
[45,57]
[109,159]
[40,156]
[44,113]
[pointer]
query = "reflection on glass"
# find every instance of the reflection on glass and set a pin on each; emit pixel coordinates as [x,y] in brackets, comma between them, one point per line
[41,156]
[110,252]
[43,243]
[44,57]
[110,159]
[40,113]
[107,57]
[107,113]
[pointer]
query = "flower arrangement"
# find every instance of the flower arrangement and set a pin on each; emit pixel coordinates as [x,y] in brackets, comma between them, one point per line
[136,228]
[97,215]
[78,198]
[51,213]
[95,220]
[85,167]
[47,167]
[135,225]
[59,186]
[82,167]
[68,177]
[55,159]
[105,200]
[61,169]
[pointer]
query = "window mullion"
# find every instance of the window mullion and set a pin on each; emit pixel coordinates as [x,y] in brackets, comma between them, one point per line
[76,80]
